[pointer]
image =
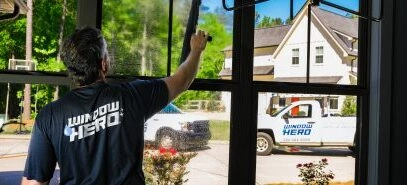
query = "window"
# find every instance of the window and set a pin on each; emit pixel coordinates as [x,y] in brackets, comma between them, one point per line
[333,103]
[281,102]
[301,111]
[319,56]
[296,56]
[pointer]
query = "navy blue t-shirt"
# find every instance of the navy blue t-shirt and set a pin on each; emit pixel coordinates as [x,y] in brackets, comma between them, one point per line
[95,133]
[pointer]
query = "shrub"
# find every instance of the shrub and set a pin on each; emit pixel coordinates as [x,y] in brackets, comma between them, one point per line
[314,173]
[166,166]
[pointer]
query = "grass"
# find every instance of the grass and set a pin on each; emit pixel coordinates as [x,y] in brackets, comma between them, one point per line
[219,129]
[332,183]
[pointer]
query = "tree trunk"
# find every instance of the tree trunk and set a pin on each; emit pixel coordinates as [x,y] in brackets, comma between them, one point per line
[60,39]
[61,29]
[28,56]
[144,49]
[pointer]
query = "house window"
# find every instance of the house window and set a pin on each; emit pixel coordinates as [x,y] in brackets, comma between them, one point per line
[281,102]
[319,56]
[333,103]
[296,56]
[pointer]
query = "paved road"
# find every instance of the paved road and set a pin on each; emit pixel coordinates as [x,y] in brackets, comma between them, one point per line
[210,166]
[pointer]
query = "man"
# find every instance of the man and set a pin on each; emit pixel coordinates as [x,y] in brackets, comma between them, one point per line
[95,132]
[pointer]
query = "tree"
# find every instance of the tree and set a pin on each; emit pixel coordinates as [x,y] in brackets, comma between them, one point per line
[349,106]
[28,56]
[267,21]
[137,35]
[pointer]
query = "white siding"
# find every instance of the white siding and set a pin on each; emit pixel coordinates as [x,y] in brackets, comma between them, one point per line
[331,66]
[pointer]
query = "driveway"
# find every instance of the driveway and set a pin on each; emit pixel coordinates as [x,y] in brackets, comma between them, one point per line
[210,166]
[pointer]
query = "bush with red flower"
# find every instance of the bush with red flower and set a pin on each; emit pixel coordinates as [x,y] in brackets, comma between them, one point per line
[314,173]
[166,166]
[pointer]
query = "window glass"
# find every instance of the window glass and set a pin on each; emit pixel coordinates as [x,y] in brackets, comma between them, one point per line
[137,35]
[198,132]
[300,111]
[319,56]
[216,62]
[50,25]
[296,56]
[15,130]
[333,51]
[305,130]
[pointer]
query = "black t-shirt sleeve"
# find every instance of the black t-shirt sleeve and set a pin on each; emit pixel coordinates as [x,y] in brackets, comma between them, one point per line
[153,95]
[41,160]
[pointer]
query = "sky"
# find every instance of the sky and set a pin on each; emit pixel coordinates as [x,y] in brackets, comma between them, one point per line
[281,8]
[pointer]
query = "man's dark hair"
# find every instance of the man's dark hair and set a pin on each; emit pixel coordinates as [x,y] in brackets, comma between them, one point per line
[82,53]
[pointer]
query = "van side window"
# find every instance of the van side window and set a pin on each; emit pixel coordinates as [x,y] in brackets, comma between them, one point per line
[301,111]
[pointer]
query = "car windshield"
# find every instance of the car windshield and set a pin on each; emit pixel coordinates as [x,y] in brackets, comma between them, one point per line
[281,110]
[170,109]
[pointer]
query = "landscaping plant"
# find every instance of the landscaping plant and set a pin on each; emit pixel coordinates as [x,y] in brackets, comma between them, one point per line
[166,166]
[314,173]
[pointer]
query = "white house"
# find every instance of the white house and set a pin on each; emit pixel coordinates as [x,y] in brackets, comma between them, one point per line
[280,54]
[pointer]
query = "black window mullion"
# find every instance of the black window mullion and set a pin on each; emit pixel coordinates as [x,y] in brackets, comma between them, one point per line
[308,41]
[169,44]
[242,153]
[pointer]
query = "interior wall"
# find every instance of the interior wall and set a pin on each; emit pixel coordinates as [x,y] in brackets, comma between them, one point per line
[398,152]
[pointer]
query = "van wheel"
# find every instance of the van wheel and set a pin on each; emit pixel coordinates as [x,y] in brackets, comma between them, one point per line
[264,144]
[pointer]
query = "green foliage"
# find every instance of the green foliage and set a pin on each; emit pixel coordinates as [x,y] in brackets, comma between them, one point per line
[220,130]
[349,106]
[47,16]
[137,31]
[181,101]
[213,58]
[166,166]
[267,21]
[12,40]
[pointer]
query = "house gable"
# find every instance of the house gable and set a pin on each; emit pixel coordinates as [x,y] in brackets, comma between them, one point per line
[316,22]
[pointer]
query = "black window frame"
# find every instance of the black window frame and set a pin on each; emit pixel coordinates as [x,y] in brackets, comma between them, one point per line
[242,165]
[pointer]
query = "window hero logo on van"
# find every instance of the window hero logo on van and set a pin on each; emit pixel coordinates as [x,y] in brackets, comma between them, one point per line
[301,129]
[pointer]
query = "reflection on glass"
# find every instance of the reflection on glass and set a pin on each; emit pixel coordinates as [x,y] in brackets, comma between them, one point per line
[50,25]
[218,23]
[189,134]
[137,36]
[280,52]
[12,103]
[305,128]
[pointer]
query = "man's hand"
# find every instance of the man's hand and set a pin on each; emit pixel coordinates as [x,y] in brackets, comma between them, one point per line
[198,41]
[186,72]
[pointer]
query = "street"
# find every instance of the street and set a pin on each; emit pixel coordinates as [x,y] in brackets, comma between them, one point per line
[210,166]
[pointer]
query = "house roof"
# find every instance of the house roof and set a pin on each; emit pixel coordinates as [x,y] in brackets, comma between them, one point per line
[257,70]
[265,37]
[340,27]
[7,6]
[318,79]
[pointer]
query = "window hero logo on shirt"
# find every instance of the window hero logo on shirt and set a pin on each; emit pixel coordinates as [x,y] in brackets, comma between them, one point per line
[88,124]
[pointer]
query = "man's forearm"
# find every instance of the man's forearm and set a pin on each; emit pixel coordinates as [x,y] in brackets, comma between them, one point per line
[184,76]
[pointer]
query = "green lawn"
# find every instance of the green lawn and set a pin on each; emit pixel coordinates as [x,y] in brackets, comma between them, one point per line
[219,129]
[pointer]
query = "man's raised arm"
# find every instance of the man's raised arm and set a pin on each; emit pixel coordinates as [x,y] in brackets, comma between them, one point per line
[182,79]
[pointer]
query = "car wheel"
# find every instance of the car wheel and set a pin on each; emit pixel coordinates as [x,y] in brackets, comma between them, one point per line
[264,144]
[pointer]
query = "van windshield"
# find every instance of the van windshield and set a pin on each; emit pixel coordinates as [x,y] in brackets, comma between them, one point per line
[281,110]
